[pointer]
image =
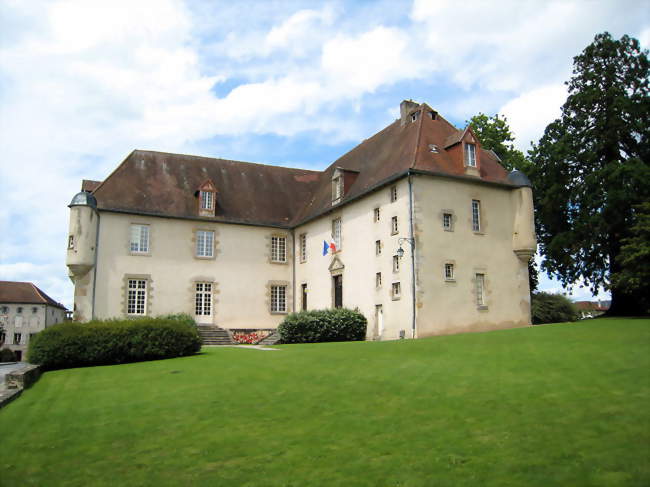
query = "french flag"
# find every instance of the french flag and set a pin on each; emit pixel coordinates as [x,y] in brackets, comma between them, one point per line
[328,246]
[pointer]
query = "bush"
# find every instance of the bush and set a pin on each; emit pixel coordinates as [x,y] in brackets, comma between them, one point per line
[552,308]
[7,355]
[114,341]
[329,325]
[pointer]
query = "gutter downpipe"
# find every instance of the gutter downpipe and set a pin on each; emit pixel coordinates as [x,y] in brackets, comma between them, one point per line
[92,311]
[293,284]
[412,237]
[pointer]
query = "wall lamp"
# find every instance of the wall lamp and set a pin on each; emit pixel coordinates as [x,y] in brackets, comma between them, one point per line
[400,241]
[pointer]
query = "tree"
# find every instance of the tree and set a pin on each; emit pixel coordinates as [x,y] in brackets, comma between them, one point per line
[495,135]
[591,167]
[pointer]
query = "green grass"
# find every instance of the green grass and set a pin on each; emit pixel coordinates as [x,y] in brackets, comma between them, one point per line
[564,404]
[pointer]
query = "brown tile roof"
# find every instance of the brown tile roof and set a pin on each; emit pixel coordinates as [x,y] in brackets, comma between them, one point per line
[164,184]
[24,293]
[89,185]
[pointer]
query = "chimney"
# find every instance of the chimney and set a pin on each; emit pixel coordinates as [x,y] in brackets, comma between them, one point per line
[405,108]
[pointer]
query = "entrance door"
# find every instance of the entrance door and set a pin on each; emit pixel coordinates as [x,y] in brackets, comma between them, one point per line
[379,321]
[304,297]
[338,291]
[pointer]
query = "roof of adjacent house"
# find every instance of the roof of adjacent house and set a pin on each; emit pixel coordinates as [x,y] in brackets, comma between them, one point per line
[592,305]
[163,184]
[25,293]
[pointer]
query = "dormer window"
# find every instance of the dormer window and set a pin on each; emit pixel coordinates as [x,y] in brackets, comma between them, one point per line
[414,116]
[433,115]
[470,155]
[337,189]
[207,194]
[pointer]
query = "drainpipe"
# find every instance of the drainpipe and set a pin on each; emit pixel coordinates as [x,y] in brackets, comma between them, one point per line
[293,284]
[412,237]
[92,312]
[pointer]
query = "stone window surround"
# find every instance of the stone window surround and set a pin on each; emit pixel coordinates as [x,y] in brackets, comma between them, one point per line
[393,295]
[302,247]
[215,241]
[376,214]
[444,271]
[191,292]
[395,264]
[148,311]
[288,248]
[393,193]
[149,239]
[486,286]
[339,244]
[288,297]
[394,225]
[452,222]
[378,247]
[378,280]
[483,221]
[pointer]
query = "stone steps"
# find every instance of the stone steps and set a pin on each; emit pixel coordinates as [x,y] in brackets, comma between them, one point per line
[213,335]
[272,339]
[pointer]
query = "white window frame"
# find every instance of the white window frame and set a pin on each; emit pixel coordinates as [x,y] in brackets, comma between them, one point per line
[470,154]
[207,200]
[449,272]
[337,229]
[480,289]
[278,249]
[302,242]
[393,194]
[136,297]
[396,290]
[139,239]
[70,242]
[337,188]
[394,226]
[377,247]
[476,215]
[395,263]
[205,243]
[447,221]
[378,280]
[203,299]
[377,215]
[278,298]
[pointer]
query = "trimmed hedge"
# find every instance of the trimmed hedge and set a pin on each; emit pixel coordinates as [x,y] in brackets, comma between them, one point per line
[328,325]
[552,308]
[114,341]
[7,355]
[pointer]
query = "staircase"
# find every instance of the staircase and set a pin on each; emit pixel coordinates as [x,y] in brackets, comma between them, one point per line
[272,339]
[213,335]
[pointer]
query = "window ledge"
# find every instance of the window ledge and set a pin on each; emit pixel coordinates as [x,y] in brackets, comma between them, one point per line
[480,232]
[450,280]
[140,254]
[482,308]
[204,257]
[279,312]
[279,262]
[396,298]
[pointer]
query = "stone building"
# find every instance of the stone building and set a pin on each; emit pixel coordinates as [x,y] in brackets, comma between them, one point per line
[24,311]
[430,235]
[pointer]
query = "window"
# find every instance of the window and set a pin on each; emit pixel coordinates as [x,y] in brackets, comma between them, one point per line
[414,116]
[480,288]
[203,299]
[377,247]
[337,188]
[447,222]
[449,272]
[476,215]
[470,155]
[377,215]
[303,247]
[278,299]
[393,226]
[378,279]
[395,263]
[136,302]
[278,249]
[336,233]
[3,337]
[19,309]
[337,282]
[140,239]
[17,338]
[34,310]
[5,309]
[393,194]
[71,242]
[396,290]
[207,200]
[303,289]
[204,243]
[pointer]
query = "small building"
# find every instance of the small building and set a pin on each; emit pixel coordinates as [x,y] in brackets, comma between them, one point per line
[591,309]
[24,311]
[418,227]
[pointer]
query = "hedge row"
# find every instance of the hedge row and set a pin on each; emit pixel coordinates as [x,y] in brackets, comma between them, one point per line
[114,341]
[552,308]
[329,325]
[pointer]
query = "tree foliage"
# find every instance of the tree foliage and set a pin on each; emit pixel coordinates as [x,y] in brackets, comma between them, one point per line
[591,168]
[552,308]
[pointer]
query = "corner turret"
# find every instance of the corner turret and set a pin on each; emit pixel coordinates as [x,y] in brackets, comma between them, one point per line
[524,241]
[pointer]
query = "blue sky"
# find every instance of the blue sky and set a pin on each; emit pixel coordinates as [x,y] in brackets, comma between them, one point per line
[83,83]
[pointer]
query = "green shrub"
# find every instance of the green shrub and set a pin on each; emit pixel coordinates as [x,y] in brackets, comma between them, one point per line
[7,355]
[328,325]
[114,341]
[552,308]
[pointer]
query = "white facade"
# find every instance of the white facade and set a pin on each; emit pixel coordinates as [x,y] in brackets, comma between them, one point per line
[20,321]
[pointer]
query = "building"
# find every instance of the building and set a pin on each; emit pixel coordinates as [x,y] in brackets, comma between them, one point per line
[430,236]
[24,311]
[592,309]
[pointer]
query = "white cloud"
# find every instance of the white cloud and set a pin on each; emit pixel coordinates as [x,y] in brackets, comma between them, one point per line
[530,113]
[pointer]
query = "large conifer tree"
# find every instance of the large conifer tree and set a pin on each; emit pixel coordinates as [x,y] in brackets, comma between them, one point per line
[591,167]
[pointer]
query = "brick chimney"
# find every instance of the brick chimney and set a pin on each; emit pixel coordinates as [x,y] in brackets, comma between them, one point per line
[405,108]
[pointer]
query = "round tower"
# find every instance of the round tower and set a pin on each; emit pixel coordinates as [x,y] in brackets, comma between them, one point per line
[524,241]
[82,234]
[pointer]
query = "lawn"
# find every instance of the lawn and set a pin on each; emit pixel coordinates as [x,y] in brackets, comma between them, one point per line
[565,404]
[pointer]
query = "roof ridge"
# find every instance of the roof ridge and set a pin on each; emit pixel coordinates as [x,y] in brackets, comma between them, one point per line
[224,160]
[38,292]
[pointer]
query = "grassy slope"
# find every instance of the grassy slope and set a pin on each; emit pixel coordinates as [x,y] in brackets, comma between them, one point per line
[551,405]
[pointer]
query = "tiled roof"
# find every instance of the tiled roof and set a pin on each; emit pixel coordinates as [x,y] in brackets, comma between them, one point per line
[165,184]
[24,293]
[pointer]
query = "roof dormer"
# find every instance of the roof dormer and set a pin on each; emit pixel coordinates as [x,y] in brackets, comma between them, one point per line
[207,198]
[465,148]
[342,181]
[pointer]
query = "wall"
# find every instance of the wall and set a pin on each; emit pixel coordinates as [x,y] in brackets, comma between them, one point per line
[357,255]
[240,270]
[27,322]
[450,306]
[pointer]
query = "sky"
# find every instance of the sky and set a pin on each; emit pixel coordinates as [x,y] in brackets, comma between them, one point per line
[292,83]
